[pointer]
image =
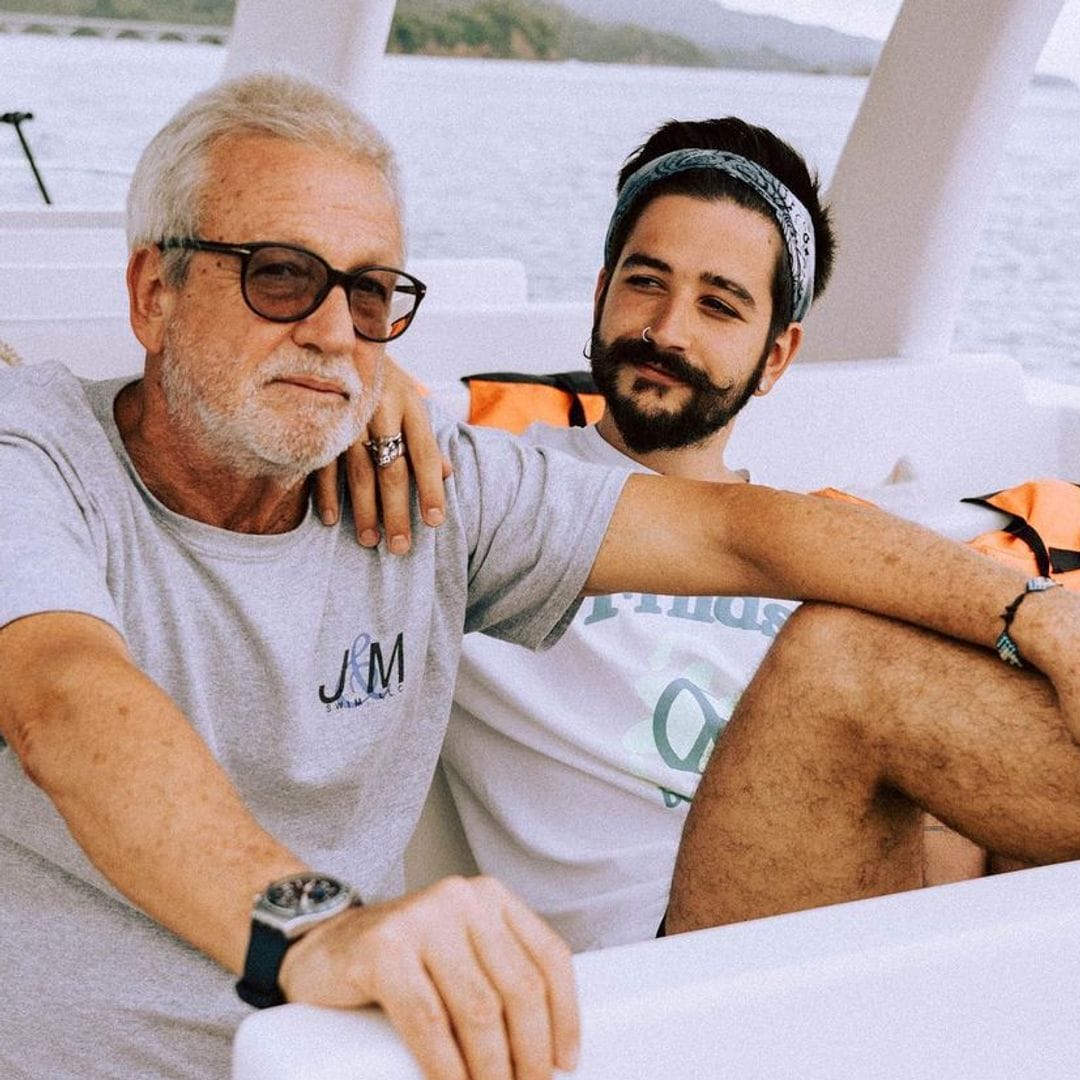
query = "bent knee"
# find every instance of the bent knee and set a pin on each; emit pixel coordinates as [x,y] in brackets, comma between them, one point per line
[824,642]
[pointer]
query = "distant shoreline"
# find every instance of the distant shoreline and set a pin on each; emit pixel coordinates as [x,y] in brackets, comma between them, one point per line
[448,29]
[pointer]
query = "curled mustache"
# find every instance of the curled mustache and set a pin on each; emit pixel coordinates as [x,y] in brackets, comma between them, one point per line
[636,351]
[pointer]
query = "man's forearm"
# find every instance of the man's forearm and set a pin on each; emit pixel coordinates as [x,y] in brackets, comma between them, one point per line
[467,974]
[137,786]
[672,536]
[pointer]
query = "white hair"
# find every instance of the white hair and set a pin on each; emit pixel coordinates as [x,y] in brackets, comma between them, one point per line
[165,197]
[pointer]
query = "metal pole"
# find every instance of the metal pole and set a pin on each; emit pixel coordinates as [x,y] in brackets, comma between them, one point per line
[15,119]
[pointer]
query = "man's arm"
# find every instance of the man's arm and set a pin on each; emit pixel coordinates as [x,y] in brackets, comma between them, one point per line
[469,976]
[672,536]
[138,788]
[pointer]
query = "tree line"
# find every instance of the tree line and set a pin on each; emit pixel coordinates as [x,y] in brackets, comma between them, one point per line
[521,29]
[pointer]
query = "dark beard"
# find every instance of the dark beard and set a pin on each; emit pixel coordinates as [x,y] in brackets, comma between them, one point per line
[709,408]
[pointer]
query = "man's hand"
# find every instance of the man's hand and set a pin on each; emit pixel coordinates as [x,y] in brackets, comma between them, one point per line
[400,408]
[475,983]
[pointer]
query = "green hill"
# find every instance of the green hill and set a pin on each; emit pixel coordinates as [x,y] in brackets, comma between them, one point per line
[522,29]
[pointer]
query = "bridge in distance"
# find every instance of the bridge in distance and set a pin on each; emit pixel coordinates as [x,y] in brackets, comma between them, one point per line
[12,22]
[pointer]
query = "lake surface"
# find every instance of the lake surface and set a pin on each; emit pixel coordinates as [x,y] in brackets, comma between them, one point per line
[507,158]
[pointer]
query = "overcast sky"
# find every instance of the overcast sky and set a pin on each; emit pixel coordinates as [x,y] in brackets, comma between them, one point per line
[874,17]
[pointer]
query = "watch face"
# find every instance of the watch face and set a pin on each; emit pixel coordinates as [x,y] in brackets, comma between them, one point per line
[304,894]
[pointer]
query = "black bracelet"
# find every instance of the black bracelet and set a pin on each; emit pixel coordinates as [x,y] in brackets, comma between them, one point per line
[1006,647]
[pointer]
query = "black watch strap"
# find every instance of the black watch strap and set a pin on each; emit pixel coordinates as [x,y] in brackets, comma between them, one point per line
[266,950]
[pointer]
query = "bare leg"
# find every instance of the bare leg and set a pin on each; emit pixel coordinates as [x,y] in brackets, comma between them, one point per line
[948,856]
[852,727]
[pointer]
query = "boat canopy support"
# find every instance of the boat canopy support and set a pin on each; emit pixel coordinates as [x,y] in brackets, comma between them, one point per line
[912,186]
[339,42]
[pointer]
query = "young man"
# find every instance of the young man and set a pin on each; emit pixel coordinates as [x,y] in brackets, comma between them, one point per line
[574,770]
[207,697]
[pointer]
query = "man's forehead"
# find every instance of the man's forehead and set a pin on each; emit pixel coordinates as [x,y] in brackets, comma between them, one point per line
[705,236]
[693,212]
[261,187]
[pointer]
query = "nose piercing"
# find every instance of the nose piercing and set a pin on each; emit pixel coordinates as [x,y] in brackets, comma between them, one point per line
[645,334]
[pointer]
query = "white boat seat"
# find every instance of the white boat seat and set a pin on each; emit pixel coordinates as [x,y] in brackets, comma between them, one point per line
[71,246]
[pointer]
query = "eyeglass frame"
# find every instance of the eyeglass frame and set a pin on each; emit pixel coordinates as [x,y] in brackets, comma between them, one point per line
[334,277]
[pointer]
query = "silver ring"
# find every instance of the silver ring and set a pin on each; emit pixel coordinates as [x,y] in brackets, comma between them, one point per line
[645,334]
[385,449]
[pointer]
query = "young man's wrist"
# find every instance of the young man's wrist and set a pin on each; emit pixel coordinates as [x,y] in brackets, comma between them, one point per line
[1045,628]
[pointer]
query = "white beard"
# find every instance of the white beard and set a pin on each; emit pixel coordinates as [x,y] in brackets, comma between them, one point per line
[247,435]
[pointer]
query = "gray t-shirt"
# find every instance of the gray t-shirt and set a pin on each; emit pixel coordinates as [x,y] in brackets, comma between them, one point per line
[319,674]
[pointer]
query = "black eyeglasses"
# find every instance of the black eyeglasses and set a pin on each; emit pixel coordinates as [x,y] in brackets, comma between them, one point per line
[285,283]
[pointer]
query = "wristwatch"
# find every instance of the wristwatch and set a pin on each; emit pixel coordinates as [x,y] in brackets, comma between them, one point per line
[287,910]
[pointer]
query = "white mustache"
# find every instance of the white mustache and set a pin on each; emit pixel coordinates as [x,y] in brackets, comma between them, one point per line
[289,362]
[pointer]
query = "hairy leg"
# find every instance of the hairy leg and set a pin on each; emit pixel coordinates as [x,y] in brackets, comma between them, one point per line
[852,727]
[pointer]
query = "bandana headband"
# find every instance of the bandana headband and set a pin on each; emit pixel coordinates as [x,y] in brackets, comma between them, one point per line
[796,226]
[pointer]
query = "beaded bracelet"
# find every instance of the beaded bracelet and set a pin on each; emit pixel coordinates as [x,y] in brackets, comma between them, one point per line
[1006,647]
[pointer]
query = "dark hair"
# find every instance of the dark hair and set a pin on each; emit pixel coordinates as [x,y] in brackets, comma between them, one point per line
[759,145]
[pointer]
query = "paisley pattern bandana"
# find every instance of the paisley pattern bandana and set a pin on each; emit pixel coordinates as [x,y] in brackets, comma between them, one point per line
[793,219]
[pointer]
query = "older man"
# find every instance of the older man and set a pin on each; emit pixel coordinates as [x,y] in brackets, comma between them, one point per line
[207,697]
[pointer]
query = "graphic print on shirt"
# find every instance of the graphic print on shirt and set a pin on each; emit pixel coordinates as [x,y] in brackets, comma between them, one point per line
[369,671]
[689,681]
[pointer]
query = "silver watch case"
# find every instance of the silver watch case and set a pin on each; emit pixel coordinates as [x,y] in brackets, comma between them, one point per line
[293,905]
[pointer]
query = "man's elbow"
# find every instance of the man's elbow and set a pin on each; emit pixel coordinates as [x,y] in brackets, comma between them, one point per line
[48,664]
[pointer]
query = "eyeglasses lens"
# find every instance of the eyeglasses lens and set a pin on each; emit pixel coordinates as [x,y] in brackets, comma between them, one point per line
[284,284]
[382,303]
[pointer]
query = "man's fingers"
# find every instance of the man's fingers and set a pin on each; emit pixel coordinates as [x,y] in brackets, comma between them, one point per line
[360,472]
[415,1008]
[396,512]
[553,959]
[525,1012]
[477,986]
[327,504]
[475,1007]
[497,994]
[385,493]
[430,469]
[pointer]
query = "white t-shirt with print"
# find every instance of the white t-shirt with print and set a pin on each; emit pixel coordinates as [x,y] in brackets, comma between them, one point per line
[573,770]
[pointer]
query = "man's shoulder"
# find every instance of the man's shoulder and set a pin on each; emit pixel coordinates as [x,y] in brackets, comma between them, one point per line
[584,443]
[41,394]
[492,449]
[33,378]
[45,408]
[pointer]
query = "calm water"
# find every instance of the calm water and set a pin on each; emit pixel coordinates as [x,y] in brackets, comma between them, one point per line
[502,158]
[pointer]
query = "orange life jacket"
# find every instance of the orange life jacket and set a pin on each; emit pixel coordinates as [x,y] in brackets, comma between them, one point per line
[1042,537]
[1043,534]
[513,401]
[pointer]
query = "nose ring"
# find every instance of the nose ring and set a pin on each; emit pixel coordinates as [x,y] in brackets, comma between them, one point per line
[645,334]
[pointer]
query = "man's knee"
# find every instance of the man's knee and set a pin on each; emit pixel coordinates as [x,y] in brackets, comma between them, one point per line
[810,698]
[821,656]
